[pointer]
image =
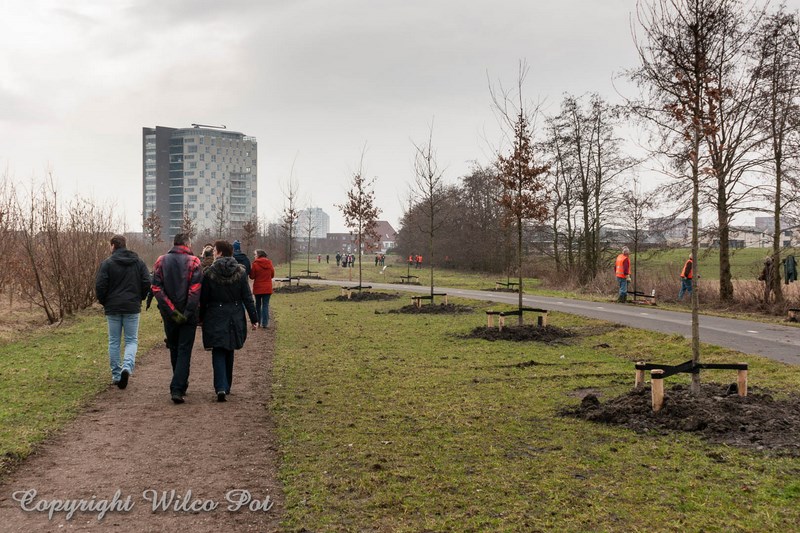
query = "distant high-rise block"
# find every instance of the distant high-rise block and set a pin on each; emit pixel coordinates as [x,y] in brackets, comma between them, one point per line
[315,219]
[209,173]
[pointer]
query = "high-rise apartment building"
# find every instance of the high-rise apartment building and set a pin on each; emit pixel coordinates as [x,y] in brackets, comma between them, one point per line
[209,173]
[320,223]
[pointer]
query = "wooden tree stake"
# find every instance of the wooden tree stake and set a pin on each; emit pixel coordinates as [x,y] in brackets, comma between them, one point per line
[657,389]
[741,382]
[639,381]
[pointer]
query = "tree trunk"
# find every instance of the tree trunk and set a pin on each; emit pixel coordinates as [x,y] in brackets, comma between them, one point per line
[776,234]
[725,283]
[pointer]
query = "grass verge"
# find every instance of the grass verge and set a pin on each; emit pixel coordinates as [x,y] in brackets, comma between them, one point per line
[49,375]
[391,422]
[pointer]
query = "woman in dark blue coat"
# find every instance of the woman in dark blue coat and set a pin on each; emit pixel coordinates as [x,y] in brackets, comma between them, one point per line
[224,296]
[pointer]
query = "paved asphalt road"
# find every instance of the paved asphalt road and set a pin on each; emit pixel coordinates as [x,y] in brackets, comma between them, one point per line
[781,343]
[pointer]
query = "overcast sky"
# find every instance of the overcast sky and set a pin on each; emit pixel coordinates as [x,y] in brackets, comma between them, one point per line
[314,80]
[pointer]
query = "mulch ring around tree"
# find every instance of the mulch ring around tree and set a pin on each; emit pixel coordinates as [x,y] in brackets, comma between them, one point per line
[435,309]
[523,333]
[756,421]
[366,296]
[290,289]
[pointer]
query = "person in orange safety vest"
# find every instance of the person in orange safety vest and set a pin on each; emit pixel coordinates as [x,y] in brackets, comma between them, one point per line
[686,278]
[622,269]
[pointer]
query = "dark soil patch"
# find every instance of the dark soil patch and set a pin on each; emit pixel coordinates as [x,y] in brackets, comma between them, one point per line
[521,333]
[366,296]
[296,288]
[440,309]
[756,422]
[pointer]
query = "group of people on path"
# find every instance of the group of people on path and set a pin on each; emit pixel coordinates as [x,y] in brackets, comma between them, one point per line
[211,291]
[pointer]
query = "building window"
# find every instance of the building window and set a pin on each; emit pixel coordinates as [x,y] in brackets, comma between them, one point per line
[191,182]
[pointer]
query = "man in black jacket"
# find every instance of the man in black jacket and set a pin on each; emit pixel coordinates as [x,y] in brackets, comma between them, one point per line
[122,282]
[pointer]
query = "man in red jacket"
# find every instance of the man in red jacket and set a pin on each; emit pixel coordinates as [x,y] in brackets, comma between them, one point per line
[177,276]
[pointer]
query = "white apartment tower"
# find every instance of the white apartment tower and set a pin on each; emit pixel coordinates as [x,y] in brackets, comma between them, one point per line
[319,220]
[209,172]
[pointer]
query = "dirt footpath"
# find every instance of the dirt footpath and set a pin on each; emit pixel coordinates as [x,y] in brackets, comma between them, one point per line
[137,444]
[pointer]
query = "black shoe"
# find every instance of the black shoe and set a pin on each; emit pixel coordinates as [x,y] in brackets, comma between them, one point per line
[221,396]
[177,397]
[123,379]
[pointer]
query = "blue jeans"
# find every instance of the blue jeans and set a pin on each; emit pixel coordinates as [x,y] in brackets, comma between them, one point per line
[180,340]
[262,309]
[686,286]
[623,289]
[222,364]
[116,325]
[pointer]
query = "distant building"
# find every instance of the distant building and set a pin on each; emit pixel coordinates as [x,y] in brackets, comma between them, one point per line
[319,221]
[671,230]
[345,242]
[387,236]
[211,173]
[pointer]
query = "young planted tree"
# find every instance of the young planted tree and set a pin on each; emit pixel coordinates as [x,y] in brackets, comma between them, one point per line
[221,218]
[360,213]
[308,227]
[678,48]
[289,219]
[188,225]
[637,205]
[524,197]
[152,228]
[428,192]
[250,232]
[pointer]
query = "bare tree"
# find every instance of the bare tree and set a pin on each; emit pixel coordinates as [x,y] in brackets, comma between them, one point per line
[289,217]
[188,225]
[308,227]
[524,196]
[637,204]
[429,192]
[360,212]
[250,232]
[222,216]
[152,228]
[62,248]
[679,47]
[777,54]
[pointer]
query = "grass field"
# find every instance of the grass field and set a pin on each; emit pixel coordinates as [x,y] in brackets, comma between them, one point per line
[47,376]
[393,422]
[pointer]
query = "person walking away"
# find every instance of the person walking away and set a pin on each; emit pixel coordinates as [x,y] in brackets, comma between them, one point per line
[262,273]
[224,291]
[122,282]
[327,259]
[177,278]
[686,278]
[207,256]
[240,257]
[622,269]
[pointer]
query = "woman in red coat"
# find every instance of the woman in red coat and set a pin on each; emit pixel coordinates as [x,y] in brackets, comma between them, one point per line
[262,273]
